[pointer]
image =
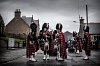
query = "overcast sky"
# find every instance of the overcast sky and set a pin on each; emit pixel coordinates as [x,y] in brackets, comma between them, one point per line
[52,11]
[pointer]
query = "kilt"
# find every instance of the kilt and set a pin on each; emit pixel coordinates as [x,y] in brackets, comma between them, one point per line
[88,45]
[31,48]
[79,45]
[61,40]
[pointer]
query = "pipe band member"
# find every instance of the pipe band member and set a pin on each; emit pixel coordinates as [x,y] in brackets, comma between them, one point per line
[31,47]
[32,43]
[87,44]
[46,37]
[62,46]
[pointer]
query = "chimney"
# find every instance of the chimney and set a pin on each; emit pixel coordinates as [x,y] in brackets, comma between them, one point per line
[17,13]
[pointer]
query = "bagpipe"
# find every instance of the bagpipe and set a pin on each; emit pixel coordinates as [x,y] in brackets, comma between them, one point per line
[56,44]
[46,44]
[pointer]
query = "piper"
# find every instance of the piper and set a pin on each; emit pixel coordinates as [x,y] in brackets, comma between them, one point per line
[61,52]
[46,37]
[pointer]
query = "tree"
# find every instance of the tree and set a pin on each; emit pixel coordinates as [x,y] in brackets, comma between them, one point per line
[2,25]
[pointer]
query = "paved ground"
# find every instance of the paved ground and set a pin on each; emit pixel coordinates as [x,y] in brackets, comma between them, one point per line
[17,58]
[11,54]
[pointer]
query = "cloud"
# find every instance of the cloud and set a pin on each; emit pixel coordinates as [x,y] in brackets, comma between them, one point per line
[52,11]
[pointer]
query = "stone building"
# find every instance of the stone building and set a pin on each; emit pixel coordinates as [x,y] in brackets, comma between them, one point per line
[20,25]
[94,31]
[30,20]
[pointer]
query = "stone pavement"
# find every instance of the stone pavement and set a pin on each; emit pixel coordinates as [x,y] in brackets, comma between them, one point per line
[93,61]
[18,57]
[73,59]
[11,54]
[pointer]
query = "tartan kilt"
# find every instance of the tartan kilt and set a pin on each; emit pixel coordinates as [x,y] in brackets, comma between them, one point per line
[88,45]
[74,44]
[79,46]
[61,40]
[31,48]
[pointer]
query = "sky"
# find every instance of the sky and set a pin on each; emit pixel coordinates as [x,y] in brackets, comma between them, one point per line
[52,11]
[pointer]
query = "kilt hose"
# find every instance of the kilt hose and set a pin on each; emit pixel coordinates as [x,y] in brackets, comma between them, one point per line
[87,47]
[61,40]
[31,48]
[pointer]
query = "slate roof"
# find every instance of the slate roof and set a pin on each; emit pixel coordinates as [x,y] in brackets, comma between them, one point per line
[28,20]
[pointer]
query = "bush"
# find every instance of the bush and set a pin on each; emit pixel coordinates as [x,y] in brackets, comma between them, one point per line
[16,39]
[4,38]
[19,40]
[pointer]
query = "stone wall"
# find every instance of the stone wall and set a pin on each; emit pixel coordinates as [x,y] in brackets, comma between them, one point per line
[17,26]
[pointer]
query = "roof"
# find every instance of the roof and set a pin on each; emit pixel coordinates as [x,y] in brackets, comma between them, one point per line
[17,26]
[28,20]
[94,28]
[19,19]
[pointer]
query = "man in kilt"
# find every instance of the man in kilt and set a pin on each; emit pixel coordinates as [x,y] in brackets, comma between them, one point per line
[87,44]
[77,42]
[31,43]
[48,43]
[61,42]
